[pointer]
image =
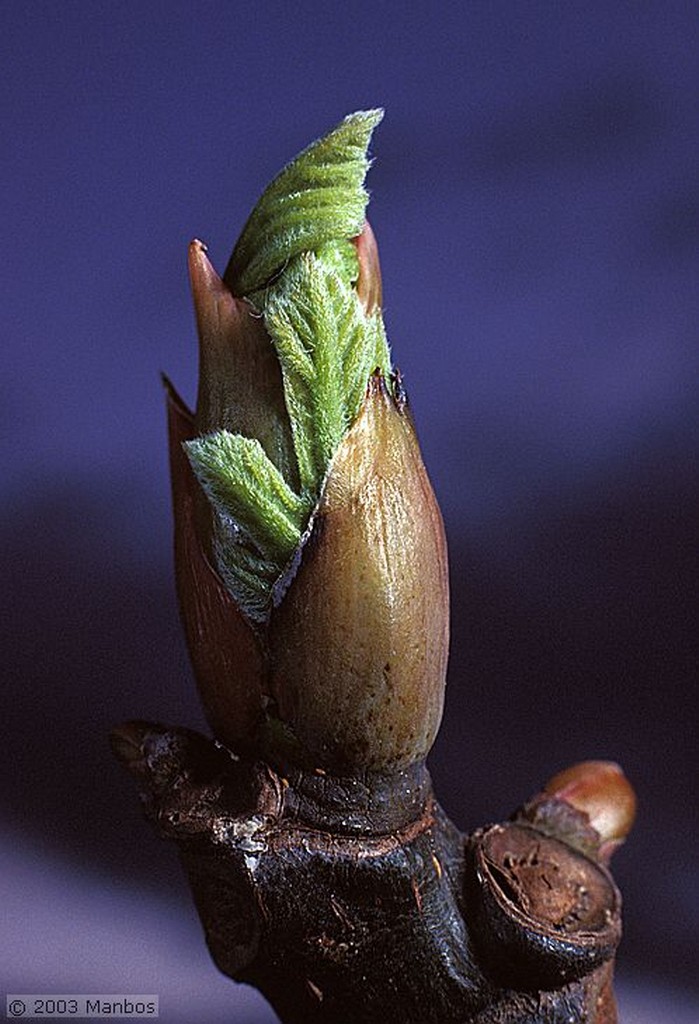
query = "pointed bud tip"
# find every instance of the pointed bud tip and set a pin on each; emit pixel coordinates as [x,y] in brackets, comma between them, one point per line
[174,400]
[377,386]
[374,116]
[203,277]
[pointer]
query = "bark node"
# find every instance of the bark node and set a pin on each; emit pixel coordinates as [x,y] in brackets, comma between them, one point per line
[354,900]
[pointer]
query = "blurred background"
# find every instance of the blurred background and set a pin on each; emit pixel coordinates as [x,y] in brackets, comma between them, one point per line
[536,201]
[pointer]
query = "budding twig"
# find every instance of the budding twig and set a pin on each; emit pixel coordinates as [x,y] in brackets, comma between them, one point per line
[312,580]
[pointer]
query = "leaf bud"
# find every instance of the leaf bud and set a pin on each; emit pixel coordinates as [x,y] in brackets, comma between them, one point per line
[600,791]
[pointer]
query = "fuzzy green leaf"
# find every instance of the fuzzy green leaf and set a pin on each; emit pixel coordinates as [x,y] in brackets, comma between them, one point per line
[296,262]
[327,349]
[242,482]
[246,575]
[318,197]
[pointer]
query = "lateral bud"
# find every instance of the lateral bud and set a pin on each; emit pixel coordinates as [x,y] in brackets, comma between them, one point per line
[601,792]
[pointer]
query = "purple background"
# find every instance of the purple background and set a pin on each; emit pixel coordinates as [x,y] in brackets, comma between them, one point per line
[537,208]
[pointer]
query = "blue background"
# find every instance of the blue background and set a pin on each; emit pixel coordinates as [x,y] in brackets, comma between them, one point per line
[536,201]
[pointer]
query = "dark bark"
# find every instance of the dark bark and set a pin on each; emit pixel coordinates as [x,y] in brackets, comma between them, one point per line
[355,899]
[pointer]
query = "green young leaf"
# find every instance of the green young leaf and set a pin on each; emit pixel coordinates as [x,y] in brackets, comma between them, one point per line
[243,483]
[296,262]
[328,348]
[246,575]
[317,198]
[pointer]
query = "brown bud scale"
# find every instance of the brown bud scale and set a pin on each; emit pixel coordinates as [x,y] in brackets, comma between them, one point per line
[359,643]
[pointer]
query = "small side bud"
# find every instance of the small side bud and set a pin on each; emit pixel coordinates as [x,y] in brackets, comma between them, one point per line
[359,643]
[601,791]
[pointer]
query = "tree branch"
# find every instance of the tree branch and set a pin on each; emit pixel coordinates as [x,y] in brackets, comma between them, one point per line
[355,900]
